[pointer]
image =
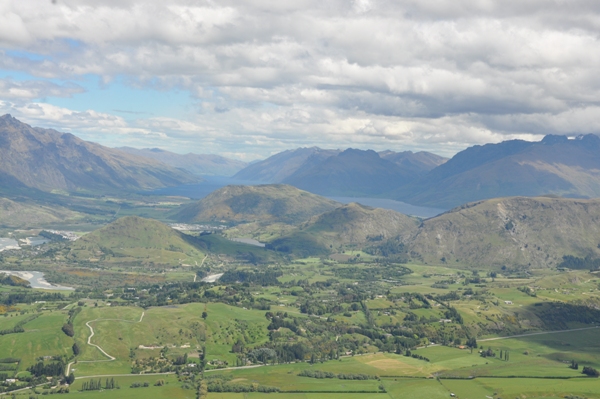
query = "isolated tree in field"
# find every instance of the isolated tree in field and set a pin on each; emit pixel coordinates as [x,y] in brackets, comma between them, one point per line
[590,371]
[204,315]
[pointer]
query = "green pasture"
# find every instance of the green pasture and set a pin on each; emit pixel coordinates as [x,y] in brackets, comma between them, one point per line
[180,328]
[42,337]
[523,387]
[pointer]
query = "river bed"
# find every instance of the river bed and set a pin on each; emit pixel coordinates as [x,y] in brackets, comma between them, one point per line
[36,280]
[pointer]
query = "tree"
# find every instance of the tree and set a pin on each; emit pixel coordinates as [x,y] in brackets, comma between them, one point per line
[204,315]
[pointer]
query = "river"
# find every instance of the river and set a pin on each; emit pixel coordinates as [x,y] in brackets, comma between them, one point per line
[36,280]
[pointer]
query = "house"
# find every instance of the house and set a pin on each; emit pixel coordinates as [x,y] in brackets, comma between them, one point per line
[508,302]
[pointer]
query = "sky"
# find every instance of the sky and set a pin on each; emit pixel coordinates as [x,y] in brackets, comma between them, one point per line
[249,79]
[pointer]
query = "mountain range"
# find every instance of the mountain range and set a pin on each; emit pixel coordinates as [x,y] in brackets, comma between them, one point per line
[48,160]
[513,231]
[197,164]
[555,165]
[351,172]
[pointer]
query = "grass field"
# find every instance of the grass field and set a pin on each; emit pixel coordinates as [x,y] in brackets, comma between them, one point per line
[42,337]
[118,330]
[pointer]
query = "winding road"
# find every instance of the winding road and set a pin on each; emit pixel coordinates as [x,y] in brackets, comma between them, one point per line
[89,342]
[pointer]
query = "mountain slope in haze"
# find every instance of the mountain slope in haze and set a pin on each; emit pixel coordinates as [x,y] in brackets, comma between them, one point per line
[555,165]
[351,173]
[197,164]
[134,240]
[352,225]
[262,203]
[347,173]
[417,162]
[49,160]
[278,167]
[519,231]
[24,214]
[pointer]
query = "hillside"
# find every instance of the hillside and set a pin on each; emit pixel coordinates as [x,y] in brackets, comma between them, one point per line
[352,225]
[278,167]
[132,240]
[417,162]
[263,203]
[29,214]
[514,231]
[351,173]
[197,164]
[49,160]
[555,165]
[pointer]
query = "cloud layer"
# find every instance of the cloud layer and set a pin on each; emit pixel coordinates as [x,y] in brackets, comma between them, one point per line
[265,76]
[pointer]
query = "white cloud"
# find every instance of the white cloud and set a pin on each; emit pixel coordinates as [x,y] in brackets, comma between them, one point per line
[272,75]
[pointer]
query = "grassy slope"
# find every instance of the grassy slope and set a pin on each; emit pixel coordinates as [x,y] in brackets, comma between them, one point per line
[178,325]
[348,225]
[29,214]
[512,231]
[264,203]
[131,239]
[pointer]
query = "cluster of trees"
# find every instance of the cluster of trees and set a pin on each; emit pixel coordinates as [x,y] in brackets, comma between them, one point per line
[590,371]
[180,360]
[97,385]
[18,328]
[145,384]
[504,355]
[408,353]
[574,365]
[375,272]
[220,386]
[342,376]
[573,262]
[55,368]
[264,278]
[14,281]
[29,297]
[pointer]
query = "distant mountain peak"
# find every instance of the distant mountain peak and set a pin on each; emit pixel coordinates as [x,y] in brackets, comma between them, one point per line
[554,139]
[47,160]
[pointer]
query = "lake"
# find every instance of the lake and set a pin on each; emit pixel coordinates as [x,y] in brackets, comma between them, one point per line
[36,280]
[249,241]
[212,183]
[8,243]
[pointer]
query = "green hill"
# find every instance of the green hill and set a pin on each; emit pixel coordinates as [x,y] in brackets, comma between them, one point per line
[352,225]
[513,231]
[136,241]
[264,203]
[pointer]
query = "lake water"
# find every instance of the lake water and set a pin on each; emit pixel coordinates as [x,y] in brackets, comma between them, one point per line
[249,241]
[8,243]
[212,183]
[36,280]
